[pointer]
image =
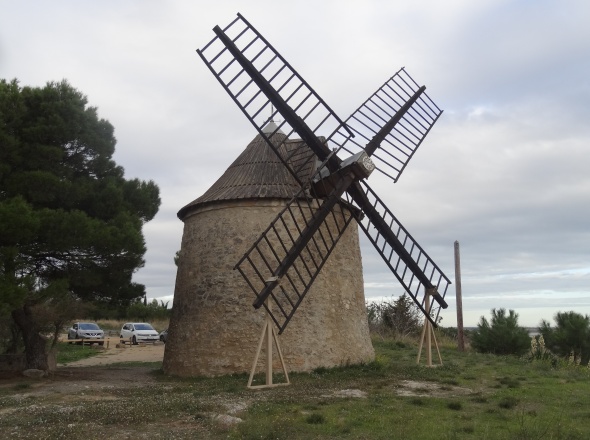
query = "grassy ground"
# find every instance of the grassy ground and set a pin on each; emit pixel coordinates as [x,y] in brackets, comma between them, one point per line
[472,396]
[72,352]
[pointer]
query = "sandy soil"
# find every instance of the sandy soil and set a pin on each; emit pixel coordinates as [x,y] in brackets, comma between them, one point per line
[121,353]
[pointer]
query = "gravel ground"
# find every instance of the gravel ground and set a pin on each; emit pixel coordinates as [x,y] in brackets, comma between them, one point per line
[121,353]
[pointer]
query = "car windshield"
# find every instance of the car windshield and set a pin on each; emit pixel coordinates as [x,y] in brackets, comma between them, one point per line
[89,326]
[143,327]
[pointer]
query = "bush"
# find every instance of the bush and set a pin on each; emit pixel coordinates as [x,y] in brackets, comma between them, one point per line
[315,419]
[502,335]
[148,312]
[508,402]
[570,335]
[400,317]
[539,351]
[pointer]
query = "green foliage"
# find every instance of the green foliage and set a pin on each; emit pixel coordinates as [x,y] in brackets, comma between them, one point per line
[315,419]
[400,317]
[508,402]
[455,406]
[10,336]
[570,334]
[70,223]
[500,336]
[138,311]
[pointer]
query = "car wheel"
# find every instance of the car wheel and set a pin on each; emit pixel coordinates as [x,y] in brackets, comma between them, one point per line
[101,343]
[134,340]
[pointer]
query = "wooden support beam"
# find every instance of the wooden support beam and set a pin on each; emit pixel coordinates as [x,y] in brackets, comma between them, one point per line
[428,334]
[268,336]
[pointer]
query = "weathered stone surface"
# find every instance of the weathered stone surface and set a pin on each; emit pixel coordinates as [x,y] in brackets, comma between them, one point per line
[215,330]
[429,389]
[34,373]
[226,420]
[353,393]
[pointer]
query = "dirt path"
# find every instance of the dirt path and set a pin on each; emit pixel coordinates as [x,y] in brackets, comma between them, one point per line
[127,353]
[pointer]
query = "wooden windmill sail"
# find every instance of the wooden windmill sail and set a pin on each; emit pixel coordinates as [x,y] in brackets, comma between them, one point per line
[382,134]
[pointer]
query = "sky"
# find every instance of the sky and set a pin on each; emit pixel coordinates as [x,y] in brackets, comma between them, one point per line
[504,171]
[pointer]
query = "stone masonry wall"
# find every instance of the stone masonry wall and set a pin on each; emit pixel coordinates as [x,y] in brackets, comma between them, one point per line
[215,330]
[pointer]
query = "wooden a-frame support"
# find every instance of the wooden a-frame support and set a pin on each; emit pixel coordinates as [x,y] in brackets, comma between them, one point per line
[428,333]
[268,335]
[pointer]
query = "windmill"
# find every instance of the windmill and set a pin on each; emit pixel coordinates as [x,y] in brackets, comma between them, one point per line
[382,134]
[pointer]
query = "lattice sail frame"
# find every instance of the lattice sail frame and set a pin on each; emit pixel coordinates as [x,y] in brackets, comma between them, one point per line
[400,144]
[261,82]
[413,285]
[279,75]
[260,262]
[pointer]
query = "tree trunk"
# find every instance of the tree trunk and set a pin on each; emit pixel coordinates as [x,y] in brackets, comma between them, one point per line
[35,344]
[14,339]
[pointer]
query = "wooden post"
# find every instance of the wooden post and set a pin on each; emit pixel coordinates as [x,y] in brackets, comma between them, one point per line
[428,334]
[459,298]
[269,335]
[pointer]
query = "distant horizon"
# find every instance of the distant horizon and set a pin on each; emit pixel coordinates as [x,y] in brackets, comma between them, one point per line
[447,321]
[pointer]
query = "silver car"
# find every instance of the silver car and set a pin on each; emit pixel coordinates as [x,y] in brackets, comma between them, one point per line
[164,336]
[87,331]
[139,332]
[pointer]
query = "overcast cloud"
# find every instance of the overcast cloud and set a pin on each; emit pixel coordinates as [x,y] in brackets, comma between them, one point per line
[504,171]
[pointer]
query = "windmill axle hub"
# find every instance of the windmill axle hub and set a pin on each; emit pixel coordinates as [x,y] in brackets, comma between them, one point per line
[359,165]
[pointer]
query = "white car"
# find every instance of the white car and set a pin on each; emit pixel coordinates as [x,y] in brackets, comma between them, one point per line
[86,330]
[139,332]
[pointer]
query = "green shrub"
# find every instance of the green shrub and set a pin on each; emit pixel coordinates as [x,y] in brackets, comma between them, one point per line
[315,419]
[508,402]
[509,382]
[500,336]
[400,317]
[570,334]
[455,406]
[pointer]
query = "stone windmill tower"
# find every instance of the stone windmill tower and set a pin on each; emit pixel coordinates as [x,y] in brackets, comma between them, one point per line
[214,329]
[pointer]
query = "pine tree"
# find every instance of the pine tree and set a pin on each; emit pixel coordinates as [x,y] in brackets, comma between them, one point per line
[501,335]
[70,223]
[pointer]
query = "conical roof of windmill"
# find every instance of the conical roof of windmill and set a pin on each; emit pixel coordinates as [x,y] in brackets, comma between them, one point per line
[257,173]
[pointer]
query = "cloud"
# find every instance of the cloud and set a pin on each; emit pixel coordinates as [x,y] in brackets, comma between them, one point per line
[504,171]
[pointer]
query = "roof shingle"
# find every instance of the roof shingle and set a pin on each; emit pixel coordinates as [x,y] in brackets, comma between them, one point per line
[257,173]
